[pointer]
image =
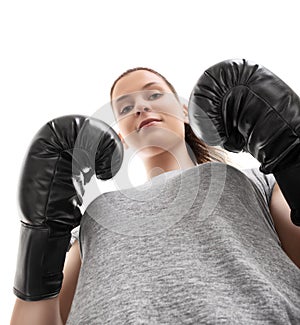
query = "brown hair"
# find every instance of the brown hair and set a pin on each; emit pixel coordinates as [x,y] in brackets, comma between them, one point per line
[202,152]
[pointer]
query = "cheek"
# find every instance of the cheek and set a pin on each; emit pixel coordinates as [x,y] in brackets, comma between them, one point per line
[170,107]
[126,124]
[176,124]
[173,116]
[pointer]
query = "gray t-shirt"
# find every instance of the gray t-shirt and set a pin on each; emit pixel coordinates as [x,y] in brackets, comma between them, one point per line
[193,246]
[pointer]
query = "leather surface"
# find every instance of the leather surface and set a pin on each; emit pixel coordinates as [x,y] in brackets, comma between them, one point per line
[66,151]
[242,106]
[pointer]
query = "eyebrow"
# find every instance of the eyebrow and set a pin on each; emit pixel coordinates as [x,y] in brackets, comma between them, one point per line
[149,84]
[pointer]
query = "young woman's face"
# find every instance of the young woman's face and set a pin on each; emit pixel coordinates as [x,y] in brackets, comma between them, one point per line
[142,95]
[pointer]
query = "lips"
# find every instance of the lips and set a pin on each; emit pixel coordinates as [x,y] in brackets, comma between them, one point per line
[146,121]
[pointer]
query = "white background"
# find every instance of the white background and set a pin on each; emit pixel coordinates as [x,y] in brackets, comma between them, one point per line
[61,57]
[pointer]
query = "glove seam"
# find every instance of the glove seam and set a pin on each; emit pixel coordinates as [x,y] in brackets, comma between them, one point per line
[287,151]
[274,109]
[262,99]
[55,169]
[50,188]
[265,101]
[25,297]
[35,227]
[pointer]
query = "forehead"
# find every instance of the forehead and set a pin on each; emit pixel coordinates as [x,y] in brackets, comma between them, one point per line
[135,81]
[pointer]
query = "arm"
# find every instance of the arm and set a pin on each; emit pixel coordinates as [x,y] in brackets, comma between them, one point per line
[242,106]
[53,311]
[50,195]
[44,312]
[71,273]
[288,233]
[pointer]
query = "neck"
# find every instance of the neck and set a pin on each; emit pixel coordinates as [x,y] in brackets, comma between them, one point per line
[164,161]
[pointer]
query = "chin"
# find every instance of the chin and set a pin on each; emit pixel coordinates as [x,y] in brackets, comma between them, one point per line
[148,153]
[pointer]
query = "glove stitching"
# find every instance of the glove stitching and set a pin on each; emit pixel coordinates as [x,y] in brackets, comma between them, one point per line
[274,109]
[265,101]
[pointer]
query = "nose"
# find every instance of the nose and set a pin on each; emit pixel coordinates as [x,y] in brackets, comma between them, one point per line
[141,107]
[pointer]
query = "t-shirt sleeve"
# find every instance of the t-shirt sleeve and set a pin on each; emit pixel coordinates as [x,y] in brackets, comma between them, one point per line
[264,182]
[74,236]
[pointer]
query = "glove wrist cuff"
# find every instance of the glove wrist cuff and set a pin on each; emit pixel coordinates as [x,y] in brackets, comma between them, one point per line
[40,261]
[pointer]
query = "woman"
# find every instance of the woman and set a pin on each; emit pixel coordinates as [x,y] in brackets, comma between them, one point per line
[205,243]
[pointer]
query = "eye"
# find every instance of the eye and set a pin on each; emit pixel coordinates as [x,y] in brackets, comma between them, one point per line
[125,109]
[155,96]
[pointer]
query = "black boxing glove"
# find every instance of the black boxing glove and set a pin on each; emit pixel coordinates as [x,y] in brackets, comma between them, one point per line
[65,152]
[242,106]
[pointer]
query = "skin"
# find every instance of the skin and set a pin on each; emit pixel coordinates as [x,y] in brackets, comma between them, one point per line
[161,146]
